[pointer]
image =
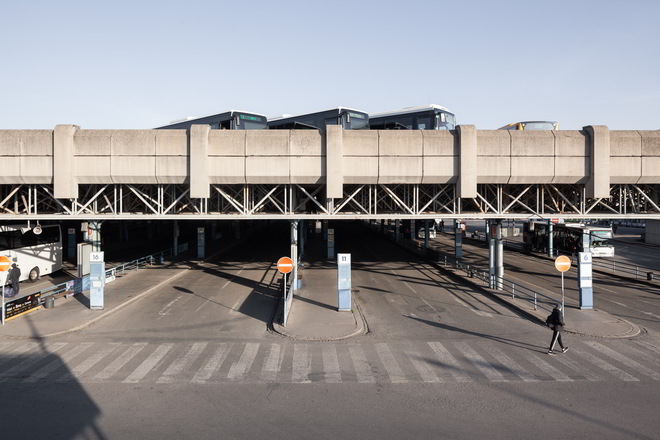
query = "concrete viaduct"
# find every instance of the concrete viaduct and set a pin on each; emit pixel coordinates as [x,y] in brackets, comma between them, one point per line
[71,172]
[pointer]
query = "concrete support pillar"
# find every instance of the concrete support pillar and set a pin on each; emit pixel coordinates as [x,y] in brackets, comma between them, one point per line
[467,178]
[294,254]
[458,240]
[397,229]
[71,253]
[551,250]
[175,237]
[382,226]
[491,254]
[598,185]
[412,230]
[334,153]
[200,186]
[426,234]
[499,256]
[64,183]
[95,239]
[201,242]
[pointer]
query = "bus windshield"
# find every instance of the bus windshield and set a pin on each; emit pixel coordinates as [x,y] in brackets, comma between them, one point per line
[250,122]
[601,239]
[445,121]
[355,121]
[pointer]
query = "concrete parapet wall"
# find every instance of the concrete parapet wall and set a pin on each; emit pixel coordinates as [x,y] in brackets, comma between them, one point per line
[69,156]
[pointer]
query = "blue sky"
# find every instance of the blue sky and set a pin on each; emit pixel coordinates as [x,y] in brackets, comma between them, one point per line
[131,64]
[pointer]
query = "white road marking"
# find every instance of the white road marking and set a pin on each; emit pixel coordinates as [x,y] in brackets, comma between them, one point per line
[211,365]
[273,363]
[201,306]
[181,364]
[607,367]
[4,345]
[648,345]
[331,364]
[449,362]
[302,364]
[482,364]
[31,360]
[567,361]
[148,364]
[509,363]
[57,363]
[122,360]
[623,359]
[548,369]
[482,313]
[409,287]
[88,363]
[168,308]
[424,369]
[17,351]
[389,362]
[361,365]
[240,368]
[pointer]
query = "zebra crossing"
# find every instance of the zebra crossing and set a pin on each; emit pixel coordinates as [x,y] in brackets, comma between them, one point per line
[210,362]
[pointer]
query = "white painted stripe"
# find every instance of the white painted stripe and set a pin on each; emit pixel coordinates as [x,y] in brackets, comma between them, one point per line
[585,372]
[148,364]
[302,364]
[240,368]
[122,360]
[482,313]
[648,345]
[648,356]
[424,369]
[361,365]
[211,365]
[482,364]
[606,366]
[30,361]
[4,345]
[44,371]
[331,364]
[273,363]
[391,366]
[181,364]
[168,307]
[17,351]
[236,308]
[88,363]
[408,285]
[623,359]
[509,363]
[448,362]
[548,369]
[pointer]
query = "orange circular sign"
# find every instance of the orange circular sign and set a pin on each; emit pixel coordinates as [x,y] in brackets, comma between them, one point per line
[5,262]
[563,263]
[285,265]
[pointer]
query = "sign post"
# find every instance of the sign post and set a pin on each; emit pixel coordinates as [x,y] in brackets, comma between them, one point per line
[562,263]
[285,266]
[96,280]
[4,265]
[344,282]
[585,281]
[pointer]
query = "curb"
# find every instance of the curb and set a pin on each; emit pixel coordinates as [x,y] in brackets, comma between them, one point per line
[119,307]
[361,326]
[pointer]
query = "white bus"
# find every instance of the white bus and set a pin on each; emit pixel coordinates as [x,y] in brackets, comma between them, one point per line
[36,251]
[567,237]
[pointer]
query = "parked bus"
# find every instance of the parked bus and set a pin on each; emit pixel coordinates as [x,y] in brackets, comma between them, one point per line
[349,119]
[426,117]
[532,125]
[231,120]
[567,237]
[36,251]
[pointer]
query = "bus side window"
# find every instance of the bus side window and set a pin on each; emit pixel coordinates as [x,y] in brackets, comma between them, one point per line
[423,122]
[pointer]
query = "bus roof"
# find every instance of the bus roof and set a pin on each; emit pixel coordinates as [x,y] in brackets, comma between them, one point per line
[339,110]
[227,113]
[410,110]
[554,123]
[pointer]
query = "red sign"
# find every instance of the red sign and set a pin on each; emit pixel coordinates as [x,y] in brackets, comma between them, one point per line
[563,263]
[5,262]
[285,265]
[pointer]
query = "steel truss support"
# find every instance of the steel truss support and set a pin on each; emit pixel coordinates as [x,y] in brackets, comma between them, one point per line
[299,201]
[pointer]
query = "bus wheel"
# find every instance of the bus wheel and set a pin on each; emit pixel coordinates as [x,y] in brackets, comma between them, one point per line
[34,274]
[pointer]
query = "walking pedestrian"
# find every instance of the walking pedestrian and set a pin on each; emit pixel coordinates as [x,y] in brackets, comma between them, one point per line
[556,322]
[14,277]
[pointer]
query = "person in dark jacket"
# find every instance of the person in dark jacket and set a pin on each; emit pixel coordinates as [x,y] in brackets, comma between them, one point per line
[14,277]
[556,322]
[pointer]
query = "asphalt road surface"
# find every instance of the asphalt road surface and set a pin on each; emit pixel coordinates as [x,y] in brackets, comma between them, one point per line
[195,360]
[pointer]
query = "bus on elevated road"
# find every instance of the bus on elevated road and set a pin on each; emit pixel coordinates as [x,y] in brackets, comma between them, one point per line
[348,119]
[567,237]
[231,120]
[426,117]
